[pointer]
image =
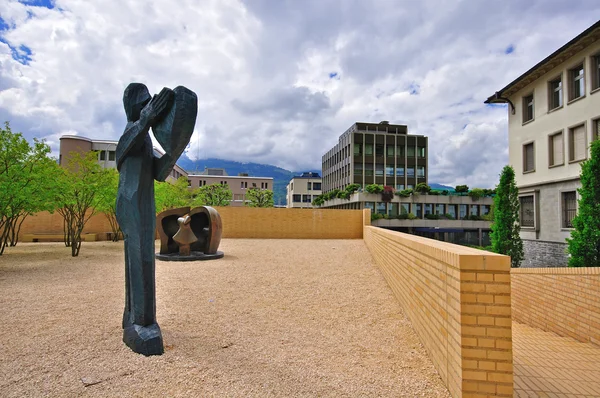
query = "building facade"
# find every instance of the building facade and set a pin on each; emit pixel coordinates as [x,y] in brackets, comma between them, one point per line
[553,115]
[239,185]
[376,153]
[303,189]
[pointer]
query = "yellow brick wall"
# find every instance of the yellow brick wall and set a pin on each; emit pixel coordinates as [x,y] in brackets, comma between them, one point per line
[458,300]
[565,301]
[242,222]
[279,223]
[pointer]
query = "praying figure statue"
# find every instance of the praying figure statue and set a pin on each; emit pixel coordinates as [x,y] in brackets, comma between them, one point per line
[172,115]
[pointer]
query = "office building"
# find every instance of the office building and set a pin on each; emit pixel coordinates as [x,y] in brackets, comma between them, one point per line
[303,189]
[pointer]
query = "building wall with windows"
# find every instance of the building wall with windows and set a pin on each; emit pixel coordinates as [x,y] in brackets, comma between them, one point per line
[302,190]
[556,117]
[376,153]
[239,185]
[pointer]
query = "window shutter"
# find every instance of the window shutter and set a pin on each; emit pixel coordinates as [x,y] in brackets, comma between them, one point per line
[557,149]
[579,143]
[529,157]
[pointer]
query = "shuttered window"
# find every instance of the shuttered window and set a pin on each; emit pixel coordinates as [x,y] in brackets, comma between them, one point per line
[577,143]
[528,157]
[556,149]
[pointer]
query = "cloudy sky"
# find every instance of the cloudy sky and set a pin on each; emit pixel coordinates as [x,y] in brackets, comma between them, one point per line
[278,81]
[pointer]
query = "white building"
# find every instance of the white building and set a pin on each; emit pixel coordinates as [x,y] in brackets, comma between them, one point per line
[553,115]
[302,190]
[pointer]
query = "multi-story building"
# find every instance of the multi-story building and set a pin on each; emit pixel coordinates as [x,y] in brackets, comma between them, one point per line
[376,153]
[302,190]
[106,150]
[239,184]
[553,115]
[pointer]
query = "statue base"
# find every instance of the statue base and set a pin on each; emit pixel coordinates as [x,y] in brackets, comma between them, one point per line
[194,256]
[145,340]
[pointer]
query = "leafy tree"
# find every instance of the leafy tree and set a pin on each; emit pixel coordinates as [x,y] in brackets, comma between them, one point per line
[259,197]
[318,201]
[476,193]
[505,228]
[107,202]
[213,195]
[584,244]
[81,184]
[461,189]
[169,195]
[374,188]
[27,176]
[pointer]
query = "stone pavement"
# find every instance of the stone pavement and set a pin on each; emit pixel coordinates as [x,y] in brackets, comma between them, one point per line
[547,365]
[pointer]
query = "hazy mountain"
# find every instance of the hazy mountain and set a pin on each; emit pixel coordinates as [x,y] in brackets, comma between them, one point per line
[434,185]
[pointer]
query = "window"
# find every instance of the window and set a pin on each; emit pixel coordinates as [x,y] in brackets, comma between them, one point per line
[358,149]
[473,210]
[485,210]
[389,171]
[526,216]
[381,207]
[370,205]
[309,186]
[596,71]
[358,168]
[390,151]
[102,155]
[569,208]
[400,187]
[238,196]
[379,150]
[439,209]
[400,171]
[297,198]
[253,185]
[577,148]
[576,82]
[421,151]
[189,183]
[369,170]
[555,94]
[292,187]
[428,208]
[462,211]
[418,210]
[596,132]
[528,158]
[369,149]
[404,208]
[410,151]
[111,156]
[410,171]
[306,198]
[400,151]
[555,149]
[528,108]
[410,186]
[420,171]
[244,184]
[316,186]
[379,169]
[451,211]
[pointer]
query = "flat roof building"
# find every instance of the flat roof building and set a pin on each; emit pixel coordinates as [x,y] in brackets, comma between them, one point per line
[303,189]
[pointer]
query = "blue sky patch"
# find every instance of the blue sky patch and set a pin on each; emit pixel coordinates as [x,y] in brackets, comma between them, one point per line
[510,49]
[38,3]
[21,54]
[333,75]
[414,88]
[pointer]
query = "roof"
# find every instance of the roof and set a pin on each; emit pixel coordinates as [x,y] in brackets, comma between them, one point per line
[230,177]
[577,44]
[308,175]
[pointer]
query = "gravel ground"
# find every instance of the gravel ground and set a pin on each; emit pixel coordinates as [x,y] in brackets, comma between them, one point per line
[272,318]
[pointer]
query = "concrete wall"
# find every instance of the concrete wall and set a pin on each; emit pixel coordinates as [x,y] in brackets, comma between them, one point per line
[241,222]
[458,300]
[280,223]
[539,253]
[565,301]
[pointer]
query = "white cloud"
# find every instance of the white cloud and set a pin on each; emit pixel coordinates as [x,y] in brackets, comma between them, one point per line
[279,82]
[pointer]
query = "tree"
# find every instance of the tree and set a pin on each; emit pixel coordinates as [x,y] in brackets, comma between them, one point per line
[107,201]
[584,244]
[171,195]
[461,189]
[422,188]
[259,197]
[213,195]
[79,197]
[27,176]
[505,228]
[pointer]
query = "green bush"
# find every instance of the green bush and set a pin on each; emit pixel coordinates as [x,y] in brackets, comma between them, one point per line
[584,244]
[505,228]
[422,188]
[449,216]
[411,216]
[445,192]
[402,216]
[405,193]
[376,216]
[476,193]
[374,188]
[461,189]
[432,216]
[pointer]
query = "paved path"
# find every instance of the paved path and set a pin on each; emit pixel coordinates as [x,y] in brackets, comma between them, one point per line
[547,365]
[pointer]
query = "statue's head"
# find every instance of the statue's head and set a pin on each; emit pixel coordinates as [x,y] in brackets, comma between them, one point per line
[135,98]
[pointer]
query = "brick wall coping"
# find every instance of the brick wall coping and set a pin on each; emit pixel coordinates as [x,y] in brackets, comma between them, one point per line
[558,270]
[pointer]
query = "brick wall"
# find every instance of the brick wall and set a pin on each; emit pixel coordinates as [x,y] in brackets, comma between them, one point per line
[458,300]
[539,253]
[279,223]
[242,222]
[565,301]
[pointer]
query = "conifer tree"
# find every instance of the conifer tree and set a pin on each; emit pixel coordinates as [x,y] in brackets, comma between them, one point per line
[584,244]
[505,228]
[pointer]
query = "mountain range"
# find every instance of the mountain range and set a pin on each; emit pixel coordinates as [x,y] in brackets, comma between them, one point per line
[281,177]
